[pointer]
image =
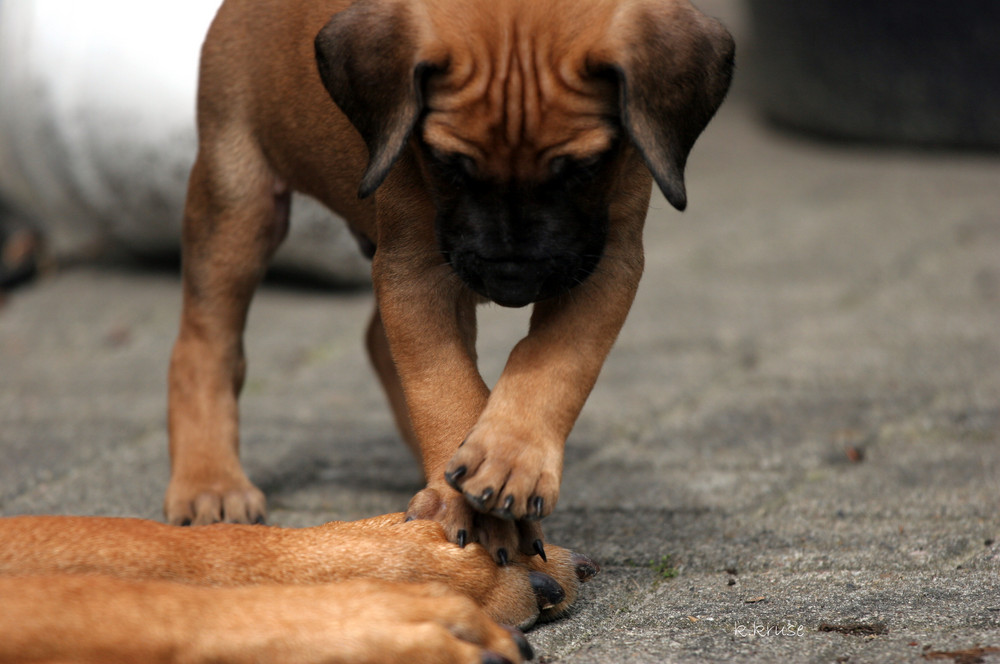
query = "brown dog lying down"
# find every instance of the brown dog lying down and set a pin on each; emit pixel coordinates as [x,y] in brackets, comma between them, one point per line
[377,590]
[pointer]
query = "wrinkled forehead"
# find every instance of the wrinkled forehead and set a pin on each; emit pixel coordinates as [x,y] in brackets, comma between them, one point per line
[515,105]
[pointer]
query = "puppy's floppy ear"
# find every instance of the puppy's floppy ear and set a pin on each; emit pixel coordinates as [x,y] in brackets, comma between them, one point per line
[673,66]
[369,61]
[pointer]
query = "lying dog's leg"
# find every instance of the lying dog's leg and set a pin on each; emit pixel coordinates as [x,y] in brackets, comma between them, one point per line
[235,217]
[100,619]
[385,548]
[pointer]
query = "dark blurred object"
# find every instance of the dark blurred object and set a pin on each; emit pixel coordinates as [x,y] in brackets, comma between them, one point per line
[20,252]
[900,71]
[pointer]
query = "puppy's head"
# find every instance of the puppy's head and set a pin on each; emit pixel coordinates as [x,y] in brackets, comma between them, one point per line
[522,115]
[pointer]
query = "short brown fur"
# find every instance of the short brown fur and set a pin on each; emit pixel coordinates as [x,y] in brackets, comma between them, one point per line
[78,589]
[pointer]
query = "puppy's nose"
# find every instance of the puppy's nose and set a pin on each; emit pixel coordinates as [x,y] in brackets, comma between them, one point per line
[512,283]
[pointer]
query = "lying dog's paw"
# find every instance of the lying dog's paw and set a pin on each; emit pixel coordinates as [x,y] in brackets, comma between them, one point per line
[525,590]
[200,503]
[427,622]
[502,538]
[560,565]
[507,471]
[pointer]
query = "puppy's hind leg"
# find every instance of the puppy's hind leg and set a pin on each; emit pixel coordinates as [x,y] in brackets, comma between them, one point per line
[381,359]
[235,217]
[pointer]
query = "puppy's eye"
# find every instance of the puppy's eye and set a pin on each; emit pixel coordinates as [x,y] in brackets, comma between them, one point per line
[558,165]
[575,167]
[456,163]
[466,164]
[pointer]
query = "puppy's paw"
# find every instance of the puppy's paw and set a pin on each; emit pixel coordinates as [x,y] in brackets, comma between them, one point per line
[234,500]
[508,472]
[436,503]
[502,538]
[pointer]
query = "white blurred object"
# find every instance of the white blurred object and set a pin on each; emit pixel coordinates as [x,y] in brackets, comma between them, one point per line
[97,130]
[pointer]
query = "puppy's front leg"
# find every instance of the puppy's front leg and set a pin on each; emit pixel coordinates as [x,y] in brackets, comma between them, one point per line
[511,462]
[428,317]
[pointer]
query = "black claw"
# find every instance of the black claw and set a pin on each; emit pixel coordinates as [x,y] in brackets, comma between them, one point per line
[539,549]
[584,566]
[547,590]
[462,538]
[480,500]
[454,476]
[522,643]
[502,556]
[539,504]
[408,519]
[504,511]
[185,522]
[260,520]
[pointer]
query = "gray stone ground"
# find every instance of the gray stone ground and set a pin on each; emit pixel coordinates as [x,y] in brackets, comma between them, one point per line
[814,305]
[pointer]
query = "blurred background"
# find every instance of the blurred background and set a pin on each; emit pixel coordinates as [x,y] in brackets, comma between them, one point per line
[97,112]
[97,137]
